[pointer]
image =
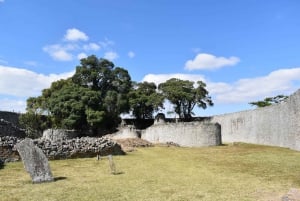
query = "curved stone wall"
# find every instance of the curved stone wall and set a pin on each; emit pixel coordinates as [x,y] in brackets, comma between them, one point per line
[191,134]
[276,125]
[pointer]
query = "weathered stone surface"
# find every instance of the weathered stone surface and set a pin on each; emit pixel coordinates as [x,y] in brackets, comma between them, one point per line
[8,153]
[126,132]
[186,134]
[62,149]
[79,147]
[276,125]
[35,161]
[59,134]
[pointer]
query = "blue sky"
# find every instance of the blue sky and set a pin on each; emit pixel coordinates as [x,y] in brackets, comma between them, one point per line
[244,50]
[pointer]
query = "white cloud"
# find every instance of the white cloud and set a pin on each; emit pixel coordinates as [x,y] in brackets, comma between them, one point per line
[91,46]
[111,55]
[282,81]
[209,62]
[75,35]
[60,52]
[131,54]
[160,78]
[13,105]
[82,55]
[24,83]
[106,43]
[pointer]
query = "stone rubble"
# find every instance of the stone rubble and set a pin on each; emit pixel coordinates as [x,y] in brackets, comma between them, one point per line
[62,148]
[79,147]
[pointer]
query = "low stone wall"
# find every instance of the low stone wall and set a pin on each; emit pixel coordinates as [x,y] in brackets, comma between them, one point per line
[9,129]
[10,117]
[276,125]
[59,134]
[7,151]
[188,134]
[79,147]
[62,149]
[127,132]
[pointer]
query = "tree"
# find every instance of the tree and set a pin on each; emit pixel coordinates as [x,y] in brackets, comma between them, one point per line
[269,101]
[144,100]
[112,83]
[185,96]
[93,98]
[33,121]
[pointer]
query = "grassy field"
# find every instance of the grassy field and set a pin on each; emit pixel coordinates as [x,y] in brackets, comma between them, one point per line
[233,172]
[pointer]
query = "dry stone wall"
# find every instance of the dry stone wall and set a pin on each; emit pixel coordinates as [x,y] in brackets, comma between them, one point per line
[9,129]
[10,117]
[62,149]
[188,134]
[8,153]
[276,125]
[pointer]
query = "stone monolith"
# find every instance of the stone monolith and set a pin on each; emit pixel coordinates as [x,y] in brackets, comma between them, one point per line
[35,161]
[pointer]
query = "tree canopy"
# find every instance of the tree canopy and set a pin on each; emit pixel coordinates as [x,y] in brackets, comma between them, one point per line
[92,98]
[185,96]
[144,100]
[269,101]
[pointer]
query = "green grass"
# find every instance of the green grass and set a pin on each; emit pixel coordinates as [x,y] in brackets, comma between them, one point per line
[239,172]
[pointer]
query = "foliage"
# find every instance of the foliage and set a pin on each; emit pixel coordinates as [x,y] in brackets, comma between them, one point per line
[185,96]
[144,100]
[34,121]
[269,101]
[92,98]
[34,124]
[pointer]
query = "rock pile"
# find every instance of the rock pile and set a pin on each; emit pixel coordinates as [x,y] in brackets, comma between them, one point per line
[7,151]
[62,148]
[78,147]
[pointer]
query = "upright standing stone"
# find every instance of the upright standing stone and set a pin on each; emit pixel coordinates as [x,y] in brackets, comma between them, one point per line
[35,161]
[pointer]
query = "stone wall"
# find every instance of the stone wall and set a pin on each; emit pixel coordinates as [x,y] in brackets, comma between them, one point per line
[276,125]
[7,151]
[9,129]
[78,147]
[60,134]
[10,117]
[126,132]
[189,134]
[62,148]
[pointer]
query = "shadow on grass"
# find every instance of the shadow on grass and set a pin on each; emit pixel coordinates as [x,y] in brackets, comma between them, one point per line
[59,178]
[1,164]
[117,173]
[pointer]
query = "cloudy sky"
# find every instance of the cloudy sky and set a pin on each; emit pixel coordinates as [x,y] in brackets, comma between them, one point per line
[244,50]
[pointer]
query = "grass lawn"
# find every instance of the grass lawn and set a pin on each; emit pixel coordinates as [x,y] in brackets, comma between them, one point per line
[233,172]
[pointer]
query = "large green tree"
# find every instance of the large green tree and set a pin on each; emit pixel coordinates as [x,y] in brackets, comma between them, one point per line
[112,83]
[93,98]
[184,96]
[144,100]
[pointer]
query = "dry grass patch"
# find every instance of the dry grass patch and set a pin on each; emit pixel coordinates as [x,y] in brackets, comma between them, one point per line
[234,172]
